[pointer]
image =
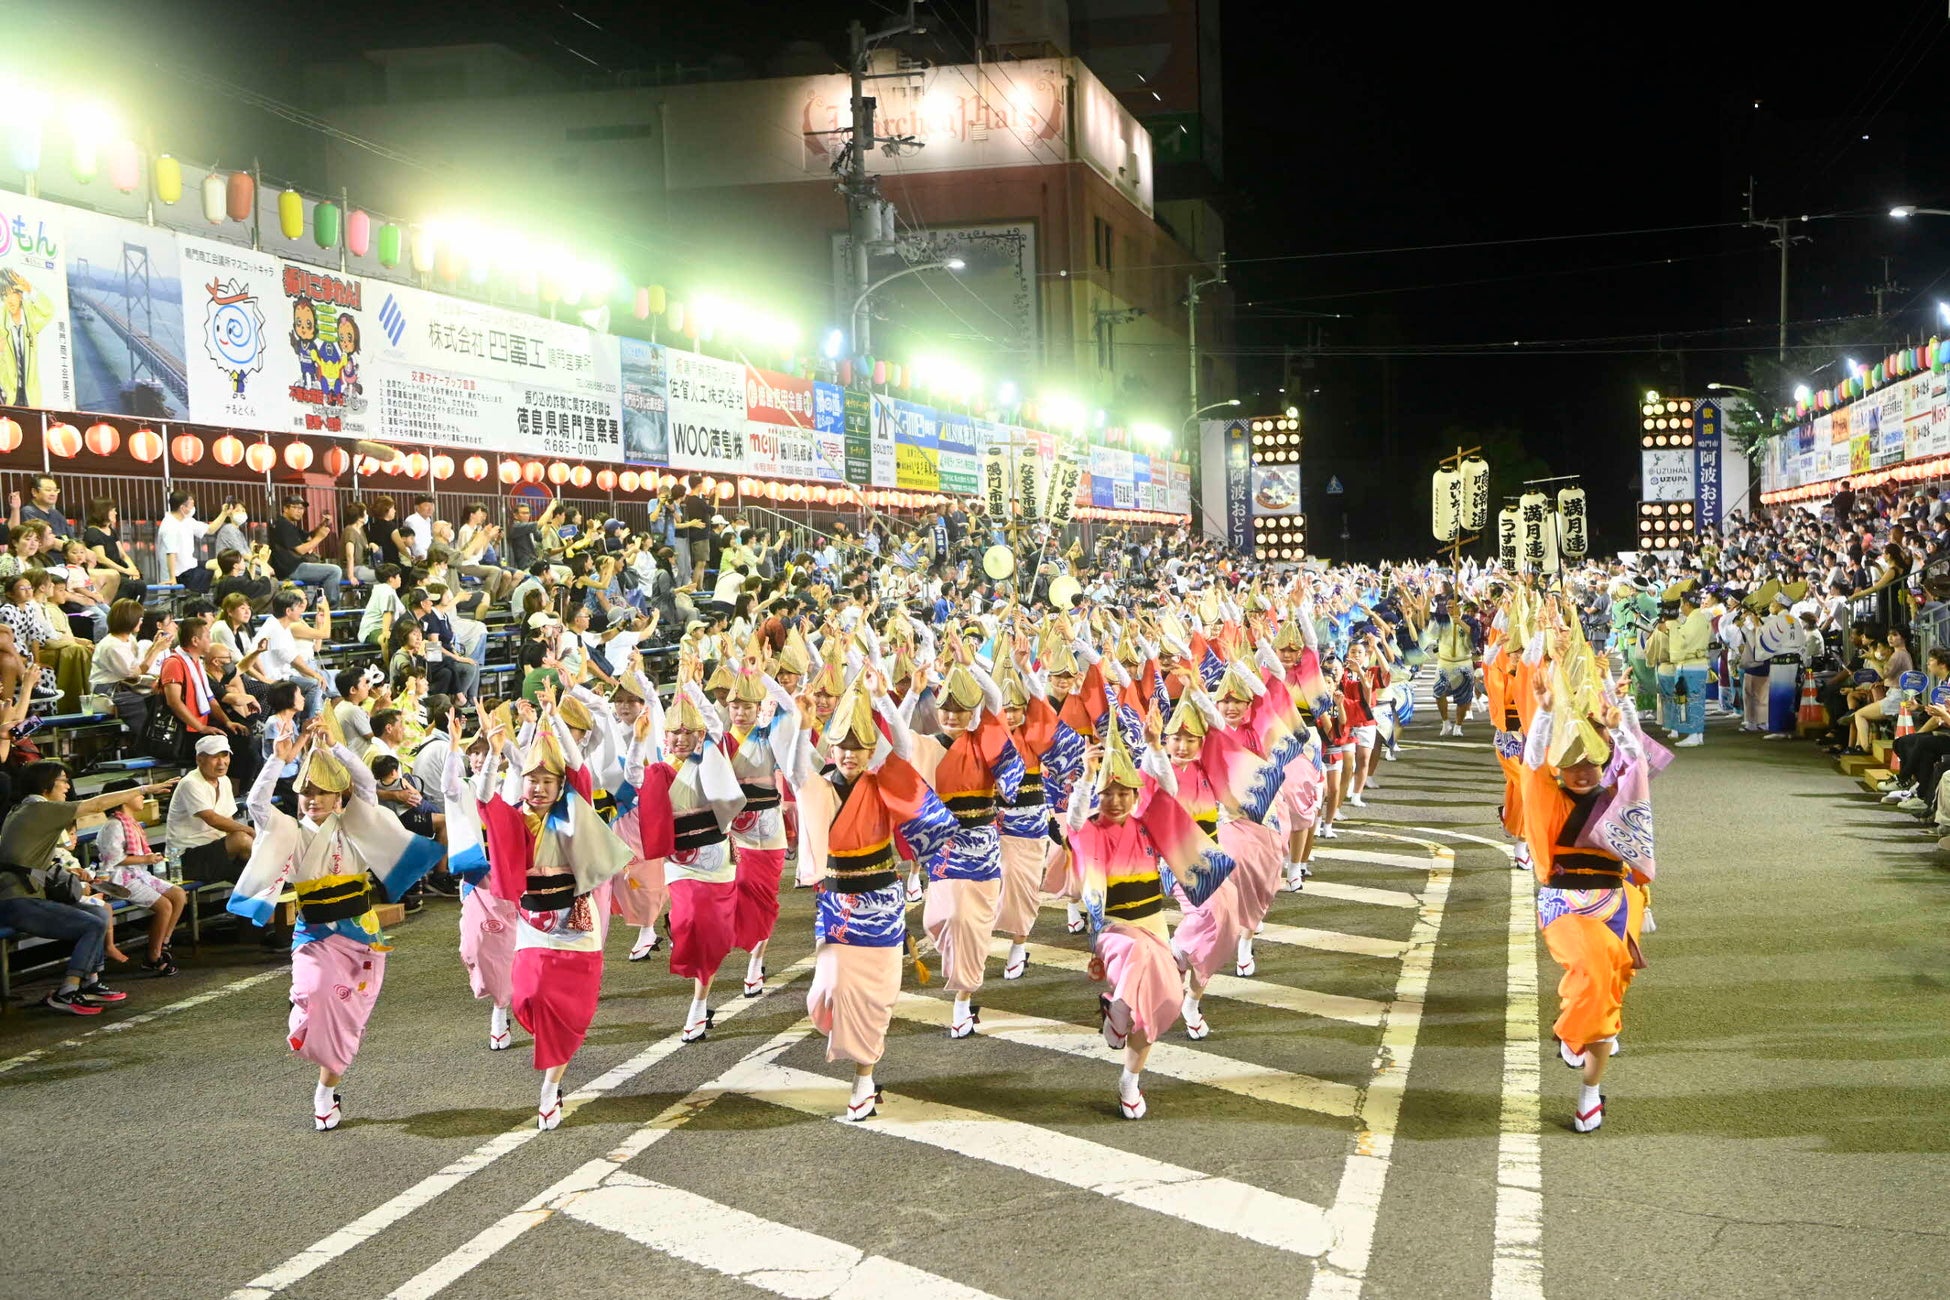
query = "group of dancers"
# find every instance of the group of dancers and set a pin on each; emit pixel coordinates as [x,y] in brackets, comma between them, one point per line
[1178,758]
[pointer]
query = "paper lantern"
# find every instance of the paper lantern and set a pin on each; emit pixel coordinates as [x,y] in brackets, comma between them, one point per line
[186,449]
[227,450]
[124,166]
[606,480]
[297,456]
[846,373]
[724,491]
[443,467]
[558,473]
[416,465]
[475,468]
[102,438]
[84,157]
[10,435]
[533,471]
[24,141]
[326,226]
[510,472]
[446,261]
[146,445]
[659,300]
[168,176]
[259,457]
[213,198]
[797,493]
[1475,494]
[819,495]
[629,480]
[337,461]
[390,239]
[424,251]
[675,316]
[367,466]
[240,196]
[1446,494]
[1573,538]
[291,214]
[581,476]
[640,307]
[880,372]
[358,232]
[1533,510]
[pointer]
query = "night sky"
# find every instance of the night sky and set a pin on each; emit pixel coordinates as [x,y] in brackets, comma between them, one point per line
[1348,132]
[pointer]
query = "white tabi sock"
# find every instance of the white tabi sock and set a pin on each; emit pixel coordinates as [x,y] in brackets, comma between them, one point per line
[754,967]
[1127,1085]
[1017,951]
[961,1012]
[321,1099]
[1073,916]
[551,1093]
[1587,1097]
[498,1021]
[1245,949]
[862,1088]
[645,936]
[696,1013]
[1190,1010]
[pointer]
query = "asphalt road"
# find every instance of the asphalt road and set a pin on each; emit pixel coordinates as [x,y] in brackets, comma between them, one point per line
[1377,1112]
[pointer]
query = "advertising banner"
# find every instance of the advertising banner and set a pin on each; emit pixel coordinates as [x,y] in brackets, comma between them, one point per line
[1708,490]
[36,342]
[1178,492]
[707,413]
[1668,475]
[915,432]
[960,463]
[857,421]
[1238,486]
[125,303]
[1103,478]
[886,424]
[782,438]
[646,402]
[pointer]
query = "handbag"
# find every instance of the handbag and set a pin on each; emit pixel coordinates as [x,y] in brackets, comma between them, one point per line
[162,732]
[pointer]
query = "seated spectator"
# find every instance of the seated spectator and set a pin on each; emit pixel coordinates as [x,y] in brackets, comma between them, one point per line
[295,550]
[38,637]
[437,618]
[409,654]
[116,573]
[282,723]
[402,796]
[43,507]
[85,613]
[123,670]
[232,629]
[414,533]
[183,682]
[284,650]
[384,607]
[237,574]
[27,548]
[388,732]
[203,832]
[178,534]
[476,553]
[37,900]
[359,557]
[227,530]
[124,858]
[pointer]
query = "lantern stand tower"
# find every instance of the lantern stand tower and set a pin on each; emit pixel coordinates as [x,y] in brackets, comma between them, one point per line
[1459,541]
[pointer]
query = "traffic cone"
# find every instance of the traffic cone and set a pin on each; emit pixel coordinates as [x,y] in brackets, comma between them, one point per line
[1813,717]
[1904,727]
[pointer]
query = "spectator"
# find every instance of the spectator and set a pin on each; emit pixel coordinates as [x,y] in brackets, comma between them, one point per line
[356,548]
[27,843]
[384,607]
[694,515]
[227,529]
[281,724]
[284,650]
[177,535]
[383,531]
[123,856]
[115,573]
[203,832]
[71,591]
[525,535]
[415,532]
[295,550]
[355,688]
[401,796]
[409,653]
[43,505]
[1843,504]
[234,578]
[26,550]
[232,628]
[38,637]
[388,733]
[123,670]
[185,687]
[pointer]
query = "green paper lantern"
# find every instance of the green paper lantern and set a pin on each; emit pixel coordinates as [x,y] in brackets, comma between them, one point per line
[392,241]
[325,225]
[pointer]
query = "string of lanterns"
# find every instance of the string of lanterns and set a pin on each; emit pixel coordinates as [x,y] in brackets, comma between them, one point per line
[1932,356]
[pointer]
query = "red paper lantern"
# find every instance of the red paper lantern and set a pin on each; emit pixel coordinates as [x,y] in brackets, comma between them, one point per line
[443,467]
[629,480]
[10,435]
[581,476]
[240,196]
[63,440]
[186,449]
[103,438]
[415,466]
[297,456]
[510,472]
[146,445]
[259,457]
[533,472]
[558,473]
[337,461]
[475,467]
[606,480]
[227,451]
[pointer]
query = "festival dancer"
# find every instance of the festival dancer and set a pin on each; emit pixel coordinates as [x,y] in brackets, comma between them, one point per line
[554,857]
[341,854]
[822,693]
[1062,760]
[1296,649]
[1025,814]
[1137,832]
[849,816]
[762,754]
[488,922]
[1263,725]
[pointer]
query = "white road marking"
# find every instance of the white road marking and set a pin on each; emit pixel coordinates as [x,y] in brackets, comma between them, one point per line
[1318,888]
[1220,1204]
[122,1026]
[383,1216]
[1301,936]
[1332,852]
[758,1252]
[500,1234]
[1517,1258]
[1357,1201]
[1280,997]
[1172,1060]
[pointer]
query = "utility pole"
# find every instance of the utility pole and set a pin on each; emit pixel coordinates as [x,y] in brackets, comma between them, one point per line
[863,201]
[1191,319]
[1888,286]
[1779,225]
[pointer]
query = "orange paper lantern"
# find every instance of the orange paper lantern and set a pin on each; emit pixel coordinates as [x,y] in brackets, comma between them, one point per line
[369,465]
[606,479]
[581,476]
[820,494]
[297,456]
[416,465]
[628,480]
[558,473]
[103,438]
[63,440]
[227,451]
[510,472]
[259,457]
[443,467]
[337,461]
[10,436]
[475,467]
[725,490]
[145,445]
[533,472]
[186,449]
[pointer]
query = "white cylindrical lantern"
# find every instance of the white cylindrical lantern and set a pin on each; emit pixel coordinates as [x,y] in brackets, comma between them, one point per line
[1507,526]
[215,199]
[1533,509]
[1573,538]
[1475,495]
[1445,493]
[424,251]
[995,480]
[1063,489]
[1029,486]
[1553,532]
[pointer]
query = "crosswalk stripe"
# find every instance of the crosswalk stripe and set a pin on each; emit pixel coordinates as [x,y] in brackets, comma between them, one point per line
[1334,889]
[1208,1069]
[769,1256]
[1220,1204]
[1278,997]
[1374,857]
[1301,936]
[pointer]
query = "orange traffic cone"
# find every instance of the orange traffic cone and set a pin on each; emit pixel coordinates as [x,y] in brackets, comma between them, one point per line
[1904,727]
[1813,717]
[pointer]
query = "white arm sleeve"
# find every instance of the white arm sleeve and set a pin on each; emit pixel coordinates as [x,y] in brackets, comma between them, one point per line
[1159,768]
[899,737]
[1537,744]
[364,788]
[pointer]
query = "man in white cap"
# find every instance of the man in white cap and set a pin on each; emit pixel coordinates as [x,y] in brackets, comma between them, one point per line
[204,831]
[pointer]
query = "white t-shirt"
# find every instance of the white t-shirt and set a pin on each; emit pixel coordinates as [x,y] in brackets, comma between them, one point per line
[420,529]
[116,659]
[193,795]
[280,651]
[176,539]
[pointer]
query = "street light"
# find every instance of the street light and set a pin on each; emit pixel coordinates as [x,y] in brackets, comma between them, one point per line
[861,334]
[1731,388]
[1904,210]
[1214,407]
